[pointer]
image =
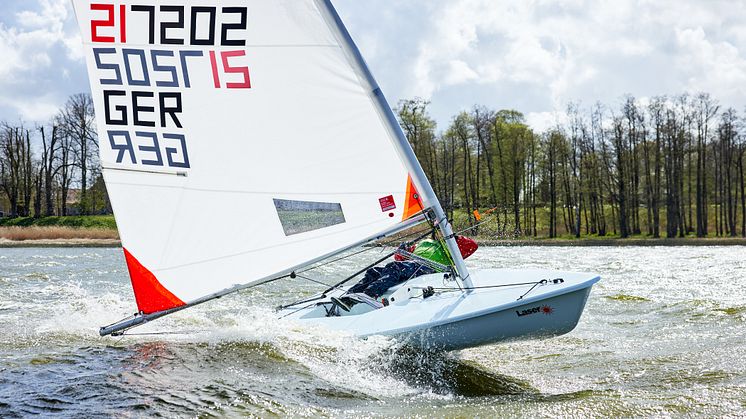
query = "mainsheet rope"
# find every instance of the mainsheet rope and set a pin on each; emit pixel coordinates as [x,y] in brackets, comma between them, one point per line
[517,284]
[432,230]
[351,277]
[366,249]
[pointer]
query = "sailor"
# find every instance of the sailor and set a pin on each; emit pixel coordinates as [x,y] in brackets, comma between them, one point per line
[378,280]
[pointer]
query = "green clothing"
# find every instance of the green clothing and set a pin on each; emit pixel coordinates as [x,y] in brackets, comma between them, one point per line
[432,250]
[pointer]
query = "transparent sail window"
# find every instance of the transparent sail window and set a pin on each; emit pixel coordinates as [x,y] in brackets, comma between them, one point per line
[302,216]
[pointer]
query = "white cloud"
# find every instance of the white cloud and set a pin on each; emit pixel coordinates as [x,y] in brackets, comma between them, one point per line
[459,72]
[32,45]
[75,50]
[544,121]
[716,67]
[537,55]
[50,17]
[38,108]
[530,55]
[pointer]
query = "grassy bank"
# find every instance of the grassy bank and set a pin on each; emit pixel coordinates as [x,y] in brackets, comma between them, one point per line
[99,227]
[57,233]
[81,221]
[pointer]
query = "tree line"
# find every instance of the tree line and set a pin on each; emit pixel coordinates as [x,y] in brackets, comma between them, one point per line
[41,164]
[664,167]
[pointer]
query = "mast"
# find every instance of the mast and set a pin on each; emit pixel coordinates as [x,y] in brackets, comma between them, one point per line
[401,142]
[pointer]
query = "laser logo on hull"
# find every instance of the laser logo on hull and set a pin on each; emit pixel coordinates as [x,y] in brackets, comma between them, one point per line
[547,310]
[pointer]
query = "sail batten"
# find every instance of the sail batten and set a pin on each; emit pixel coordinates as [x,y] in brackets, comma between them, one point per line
[233,191]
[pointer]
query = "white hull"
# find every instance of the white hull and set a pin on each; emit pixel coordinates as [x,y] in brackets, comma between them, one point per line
[459,320]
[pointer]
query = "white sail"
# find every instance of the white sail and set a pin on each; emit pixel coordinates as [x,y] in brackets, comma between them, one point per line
[239,139]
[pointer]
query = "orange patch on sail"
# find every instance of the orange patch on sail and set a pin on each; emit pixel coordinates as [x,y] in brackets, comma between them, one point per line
[151,296]
[412,202]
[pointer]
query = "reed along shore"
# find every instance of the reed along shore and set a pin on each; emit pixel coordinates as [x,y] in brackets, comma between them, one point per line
[70,231]
[100,239]
[101,231]
[5,243]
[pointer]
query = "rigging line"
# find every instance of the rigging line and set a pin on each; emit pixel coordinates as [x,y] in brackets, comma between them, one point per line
[349,278]
[163,333]
[243,192]
[117,329]
[534,285]
[474,226]
[419,268]
[452,266]
[300,309]
[460,288]
[429,230]
[440,237]
[338,259]
[246,252]
[311,280]
[299,302]
[437,267]
[152,172]
[337,285]
[367,249]
[543,281]
[422,209]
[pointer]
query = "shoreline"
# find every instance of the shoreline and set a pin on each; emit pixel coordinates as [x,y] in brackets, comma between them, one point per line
[737,241]
[616,242]
[60,243]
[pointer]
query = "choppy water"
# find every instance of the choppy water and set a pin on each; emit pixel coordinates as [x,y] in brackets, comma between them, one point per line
[664,334]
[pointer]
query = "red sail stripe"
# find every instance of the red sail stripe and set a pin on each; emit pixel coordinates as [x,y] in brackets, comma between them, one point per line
[150,295]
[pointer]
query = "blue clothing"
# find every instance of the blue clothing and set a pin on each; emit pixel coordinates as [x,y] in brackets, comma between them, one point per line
[378,280]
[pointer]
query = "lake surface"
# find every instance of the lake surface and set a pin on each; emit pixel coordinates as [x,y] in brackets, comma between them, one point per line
[664,334]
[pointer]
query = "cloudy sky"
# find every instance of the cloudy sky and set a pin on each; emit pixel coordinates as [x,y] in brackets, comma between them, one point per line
[530,55]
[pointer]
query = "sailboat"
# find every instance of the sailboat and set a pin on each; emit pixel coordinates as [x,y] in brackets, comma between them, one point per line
[243,141]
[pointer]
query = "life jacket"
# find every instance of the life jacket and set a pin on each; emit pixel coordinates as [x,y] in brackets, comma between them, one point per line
[432,250]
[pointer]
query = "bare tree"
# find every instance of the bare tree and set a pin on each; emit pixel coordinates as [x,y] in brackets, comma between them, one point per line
[77,120]
[10,166]
[50,147]
[64,170]
[705,109]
